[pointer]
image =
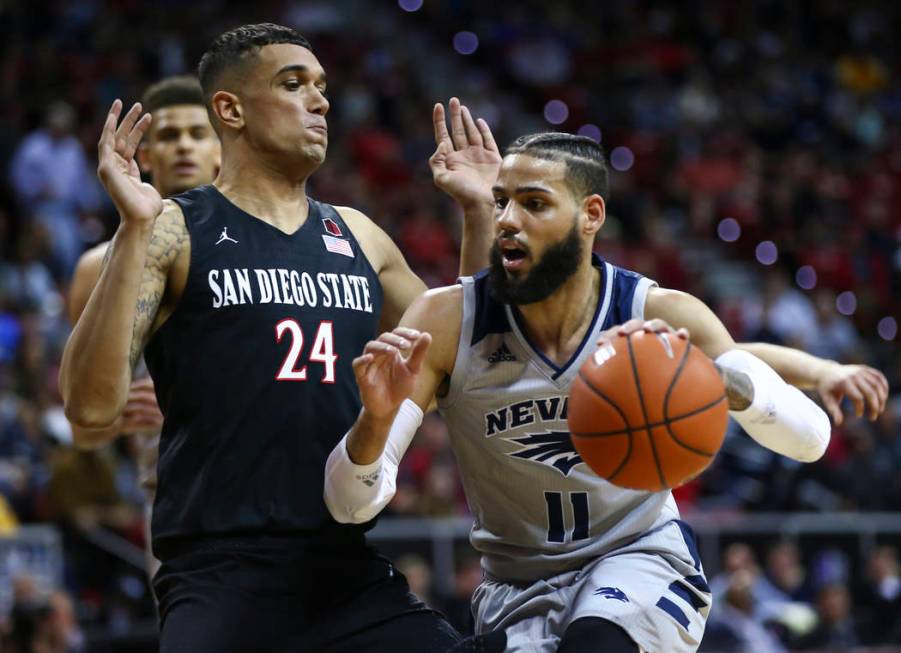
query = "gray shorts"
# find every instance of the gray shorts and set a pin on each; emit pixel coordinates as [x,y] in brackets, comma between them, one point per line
[658,596]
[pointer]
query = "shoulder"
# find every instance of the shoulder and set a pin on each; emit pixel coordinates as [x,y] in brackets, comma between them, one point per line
[92,259]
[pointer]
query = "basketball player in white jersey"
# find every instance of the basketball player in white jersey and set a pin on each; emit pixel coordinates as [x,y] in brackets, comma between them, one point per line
[179,151]
[572,562]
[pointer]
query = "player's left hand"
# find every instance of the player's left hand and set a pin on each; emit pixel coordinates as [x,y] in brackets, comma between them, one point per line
[466,161]
[386,372]
[867,388]
[633,326]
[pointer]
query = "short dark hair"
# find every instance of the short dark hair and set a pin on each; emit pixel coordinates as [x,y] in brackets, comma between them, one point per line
[586,168]
[233,46]
[180,89]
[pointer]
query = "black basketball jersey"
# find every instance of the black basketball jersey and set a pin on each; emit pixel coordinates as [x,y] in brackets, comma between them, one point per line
[253,371]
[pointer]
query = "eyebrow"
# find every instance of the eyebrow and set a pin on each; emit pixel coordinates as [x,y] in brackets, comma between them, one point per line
[298,68]
[524,189]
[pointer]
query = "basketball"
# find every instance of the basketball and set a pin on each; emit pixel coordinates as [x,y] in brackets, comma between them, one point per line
[648,411]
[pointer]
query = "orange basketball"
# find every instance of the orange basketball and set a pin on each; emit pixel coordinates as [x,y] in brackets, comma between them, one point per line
[648,411]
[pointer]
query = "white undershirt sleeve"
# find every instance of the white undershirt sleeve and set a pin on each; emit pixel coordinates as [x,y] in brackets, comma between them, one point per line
[781,417]
[353,493]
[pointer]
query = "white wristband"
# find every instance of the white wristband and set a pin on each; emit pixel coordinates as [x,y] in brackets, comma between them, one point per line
[780,417]
[357,493]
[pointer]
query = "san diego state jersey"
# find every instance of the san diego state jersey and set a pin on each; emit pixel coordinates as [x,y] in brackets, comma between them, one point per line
[538,510]
[253,370]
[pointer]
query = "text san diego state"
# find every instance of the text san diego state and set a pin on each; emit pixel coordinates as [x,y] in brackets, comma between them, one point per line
[282,286]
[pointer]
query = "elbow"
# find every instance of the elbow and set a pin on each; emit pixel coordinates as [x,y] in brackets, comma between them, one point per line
[83,416]
[819,438]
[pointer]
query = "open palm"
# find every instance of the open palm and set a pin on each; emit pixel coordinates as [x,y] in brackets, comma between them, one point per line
[136,201]
[466,161]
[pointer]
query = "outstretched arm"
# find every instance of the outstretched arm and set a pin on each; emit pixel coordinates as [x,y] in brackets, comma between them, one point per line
[108,337]
[398,375]
[866,387]
[780,417]
[465,165]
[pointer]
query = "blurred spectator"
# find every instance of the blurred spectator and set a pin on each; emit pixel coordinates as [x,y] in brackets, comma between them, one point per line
[879,598]
[55,184]
[419,575]
[836,629]
[468,575]
[786,572]
[733,626]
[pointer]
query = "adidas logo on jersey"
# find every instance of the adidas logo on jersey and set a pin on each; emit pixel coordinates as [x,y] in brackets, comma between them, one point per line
[503,354]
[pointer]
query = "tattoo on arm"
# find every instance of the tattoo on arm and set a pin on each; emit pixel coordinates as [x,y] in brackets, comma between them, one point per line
[169,236]
[739,389]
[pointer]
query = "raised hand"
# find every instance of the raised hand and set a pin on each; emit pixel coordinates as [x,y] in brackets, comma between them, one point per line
[136,201]
[466,161]
[866,387]
[386,372]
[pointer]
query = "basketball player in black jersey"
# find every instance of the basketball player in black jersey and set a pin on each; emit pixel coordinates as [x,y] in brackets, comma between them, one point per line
[179,151]
[249,340]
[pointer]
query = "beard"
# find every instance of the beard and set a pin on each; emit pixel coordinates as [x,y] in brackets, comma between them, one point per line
[560,261]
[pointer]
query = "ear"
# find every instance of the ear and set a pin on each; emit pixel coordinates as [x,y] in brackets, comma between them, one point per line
[228,110]
[144,158]
[595,213]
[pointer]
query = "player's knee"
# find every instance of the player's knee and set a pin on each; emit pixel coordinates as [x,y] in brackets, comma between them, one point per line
[596,635]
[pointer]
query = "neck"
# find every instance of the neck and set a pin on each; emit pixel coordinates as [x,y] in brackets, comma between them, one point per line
[263,189]
[558,324]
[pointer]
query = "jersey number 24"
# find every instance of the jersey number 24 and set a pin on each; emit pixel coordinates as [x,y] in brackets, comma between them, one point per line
[323,351]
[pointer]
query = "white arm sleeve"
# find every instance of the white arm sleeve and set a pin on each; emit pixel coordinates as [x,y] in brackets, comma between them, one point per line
[354,494]
[781,417]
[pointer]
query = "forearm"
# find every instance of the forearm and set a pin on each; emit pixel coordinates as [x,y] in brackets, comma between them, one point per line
[477,234]
[780,417]
[361,471]
[366,439]
[97,361]
[88,439]
[798,368]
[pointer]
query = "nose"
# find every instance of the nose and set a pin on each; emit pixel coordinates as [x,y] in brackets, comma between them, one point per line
[318,103]
[507,220]
[185,142]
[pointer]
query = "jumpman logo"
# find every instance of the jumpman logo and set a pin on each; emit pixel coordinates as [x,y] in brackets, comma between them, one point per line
[225,236]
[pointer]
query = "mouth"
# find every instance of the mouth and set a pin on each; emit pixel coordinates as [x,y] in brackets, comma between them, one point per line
[185,168]
[513,255]
[319,129]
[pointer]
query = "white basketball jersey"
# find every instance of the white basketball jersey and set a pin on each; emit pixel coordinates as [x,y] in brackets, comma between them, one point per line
[538,509]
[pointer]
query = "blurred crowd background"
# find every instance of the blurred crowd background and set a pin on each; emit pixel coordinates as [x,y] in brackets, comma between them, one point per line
[755,150]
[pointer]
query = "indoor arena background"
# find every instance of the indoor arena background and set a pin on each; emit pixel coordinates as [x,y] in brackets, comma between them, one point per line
[755,150]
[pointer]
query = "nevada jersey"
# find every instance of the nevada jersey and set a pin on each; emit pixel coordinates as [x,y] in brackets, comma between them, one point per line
[538,509]
[253,371]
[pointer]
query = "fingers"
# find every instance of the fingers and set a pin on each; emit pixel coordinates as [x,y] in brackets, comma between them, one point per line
[125,127]
[135,135]
[870,391]
[878,379]
[487,136]
[441,135]
[832,407]
[144,383]
[458,131]
[418,352]
[108,134]
[855,395]
[473,135]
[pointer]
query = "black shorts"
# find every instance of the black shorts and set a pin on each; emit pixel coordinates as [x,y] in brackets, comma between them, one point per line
[278,595]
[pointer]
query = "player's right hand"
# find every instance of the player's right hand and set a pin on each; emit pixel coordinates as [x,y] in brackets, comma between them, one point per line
[137,202]
[633,326]
[386,372]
